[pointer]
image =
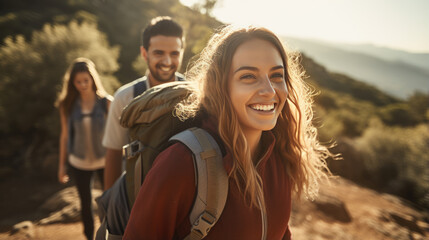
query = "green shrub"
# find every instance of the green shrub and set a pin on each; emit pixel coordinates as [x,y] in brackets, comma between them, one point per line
[399,114]
[397,159]
[340,115]
[419,104]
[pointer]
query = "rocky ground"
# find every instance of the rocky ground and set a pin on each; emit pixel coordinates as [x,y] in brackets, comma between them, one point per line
[32,209]
[347,211]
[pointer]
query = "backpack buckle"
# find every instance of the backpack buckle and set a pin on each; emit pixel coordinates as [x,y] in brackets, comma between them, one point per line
[132,149]
[203,224]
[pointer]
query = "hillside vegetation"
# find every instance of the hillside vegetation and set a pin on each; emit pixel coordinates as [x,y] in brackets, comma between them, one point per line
[384,140]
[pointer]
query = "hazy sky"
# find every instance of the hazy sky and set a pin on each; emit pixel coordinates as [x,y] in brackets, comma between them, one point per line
[400,24]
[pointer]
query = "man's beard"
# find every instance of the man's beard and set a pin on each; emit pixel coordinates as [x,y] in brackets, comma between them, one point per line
[158,77]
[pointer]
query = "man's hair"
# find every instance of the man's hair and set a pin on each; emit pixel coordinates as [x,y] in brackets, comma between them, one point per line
[164,26]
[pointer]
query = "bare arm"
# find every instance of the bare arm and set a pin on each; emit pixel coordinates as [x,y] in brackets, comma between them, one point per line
[62,175]
[113,168]
[114,137]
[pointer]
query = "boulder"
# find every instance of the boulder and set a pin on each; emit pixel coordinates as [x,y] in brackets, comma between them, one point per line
[24,229]
[64,206]
[333,208]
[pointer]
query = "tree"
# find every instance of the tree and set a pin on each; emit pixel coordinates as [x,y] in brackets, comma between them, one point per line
[206,6]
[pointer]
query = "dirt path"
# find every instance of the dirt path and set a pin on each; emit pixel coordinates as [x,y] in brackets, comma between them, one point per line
[372,215]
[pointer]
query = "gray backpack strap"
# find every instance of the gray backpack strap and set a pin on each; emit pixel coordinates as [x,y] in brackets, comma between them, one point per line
[211,180]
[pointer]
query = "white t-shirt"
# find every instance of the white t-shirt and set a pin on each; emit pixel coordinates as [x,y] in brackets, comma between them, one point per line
[90,162]
[116,136]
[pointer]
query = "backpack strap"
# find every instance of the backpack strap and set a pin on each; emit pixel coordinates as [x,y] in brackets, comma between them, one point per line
[139,87]
[104,104]
[210,178]
[131,153]
[180,77]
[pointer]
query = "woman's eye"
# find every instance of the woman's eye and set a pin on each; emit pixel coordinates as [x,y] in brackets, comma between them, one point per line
[247,76]
[278,77]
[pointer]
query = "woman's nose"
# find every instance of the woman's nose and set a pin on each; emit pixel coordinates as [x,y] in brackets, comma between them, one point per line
[266,87]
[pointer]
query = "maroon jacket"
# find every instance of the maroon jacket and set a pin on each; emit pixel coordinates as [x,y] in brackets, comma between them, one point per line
[162,207]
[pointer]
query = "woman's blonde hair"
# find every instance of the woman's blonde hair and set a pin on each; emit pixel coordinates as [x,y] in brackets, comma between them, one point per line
[296,142]
[69,93]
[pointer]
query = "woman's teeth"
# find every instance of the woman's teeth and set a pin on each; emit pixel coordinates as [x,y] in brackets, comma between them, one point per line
[263,107]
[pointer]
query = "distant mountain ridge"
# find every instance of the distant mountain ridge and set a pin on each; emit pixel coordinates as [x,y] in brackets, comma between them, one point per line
[418,59]
[344,84]
[399,78]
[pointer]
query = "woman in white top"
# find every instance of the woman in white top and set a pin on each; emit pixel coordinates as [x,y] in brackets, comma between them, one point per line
[83,105]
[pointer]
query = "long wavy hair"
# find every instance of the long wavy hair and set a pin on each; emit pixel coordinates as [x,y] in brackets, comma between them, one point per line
[69,93]
[296,138]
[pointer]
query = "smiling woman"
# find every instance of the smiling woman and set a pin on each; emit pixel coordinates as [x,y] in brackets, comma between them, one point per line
[253,101]
[83,105]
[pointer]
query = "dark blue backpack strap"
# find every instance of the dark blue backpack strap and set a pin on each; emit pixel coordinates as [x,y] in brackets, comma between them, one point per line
[139,88]
[180,77]
[104,104]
